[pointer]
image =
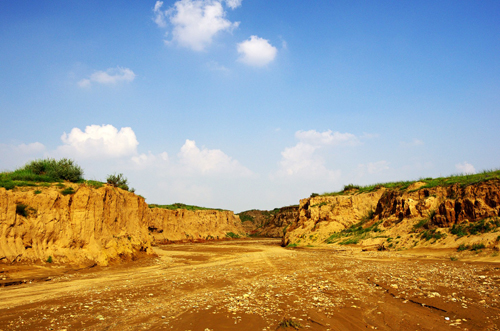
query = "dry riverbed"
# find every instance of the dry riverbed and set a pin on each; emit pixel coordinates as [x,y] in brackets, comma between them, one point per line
[256,285]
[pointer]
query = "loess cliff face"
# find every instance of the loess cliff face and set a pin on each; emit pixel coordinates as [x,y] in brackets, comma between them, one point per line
[279,222]
[416,217]
[95,225]
[89,226]
[174,225]
[264,223]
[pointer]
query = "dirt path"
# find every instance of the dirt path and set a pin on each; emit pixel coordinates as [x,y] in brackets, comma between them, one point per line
[256,285]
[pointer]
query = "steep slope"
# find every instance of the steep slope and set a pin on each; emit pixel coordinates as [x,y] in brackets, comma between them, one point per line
[95,225]
[91,225]
[173,225]
[272,223]
[416,216]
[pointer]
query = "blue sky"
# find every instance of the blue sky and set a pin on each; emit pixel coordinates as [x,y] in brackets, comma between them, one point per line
[251,104]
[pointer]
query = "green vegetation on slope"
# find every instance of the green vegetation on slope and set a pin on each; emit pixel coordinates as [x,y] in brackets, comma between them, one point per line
[42,171]
[461,179]
[177,205]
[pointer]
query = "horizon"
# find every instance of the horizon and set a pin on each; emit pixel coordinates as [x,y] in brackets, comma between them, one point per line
[260,105]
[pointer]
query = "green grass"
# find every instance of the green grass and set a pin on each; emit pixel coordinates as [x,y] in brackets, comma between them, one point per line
[350,241]
[177,205]
[292,245]
[37,192]
[482,226]
[68,190]
[93,183]
[356,231]
[232,235]
[49,260]
[246,218]
[461,179]
[41,171]
[432,234]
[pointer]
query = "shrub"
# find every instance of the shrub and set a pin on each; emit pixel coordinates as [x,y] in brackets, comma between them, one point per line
[247,218]
[289,323]
[49,260]
[462,247]
[64,169]
[314,195]
[476,247]
[118,181]
[232,235]
[67,191]
[37,192]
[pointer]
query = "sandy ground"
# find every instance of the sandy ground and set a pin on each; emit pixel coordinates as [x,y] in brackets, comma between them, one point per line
[256,285]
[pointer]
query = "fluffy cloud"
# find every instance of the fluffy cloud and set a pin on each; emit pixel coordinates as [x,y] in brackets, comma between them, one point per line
[465,168]
[208,161]
[304,160]
[99,141]
[256,51]
[109,77]
[195,22]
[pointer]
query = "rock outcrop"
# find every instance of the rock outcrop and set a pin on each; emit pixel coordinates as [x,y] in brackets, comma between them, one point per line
[417,215]
[277,225]
[95,225]
[264,223]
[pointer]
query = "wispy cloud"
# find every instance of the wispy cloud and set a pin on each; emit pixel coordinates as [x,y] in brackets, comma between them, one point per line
[109,77]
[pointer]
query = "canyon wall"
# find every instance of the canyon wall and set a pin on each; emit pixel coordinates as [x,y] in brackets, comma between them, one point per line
[175,225]
[415,216]
[94,225]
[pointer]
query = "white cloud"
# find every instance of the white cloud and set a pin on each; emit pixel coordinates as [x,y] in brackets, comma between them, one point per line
[413,143]
[233,4]
[149,159]
[33,148]
[304,160]
[109,77]
[159,15]
[256,51]
[208,161]
[195,22]
[99,141]
[326,138]
[465,168]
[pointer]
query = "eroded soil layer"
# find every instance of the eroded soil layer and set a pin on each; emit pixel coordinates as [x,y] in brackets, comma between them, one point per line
[257,285]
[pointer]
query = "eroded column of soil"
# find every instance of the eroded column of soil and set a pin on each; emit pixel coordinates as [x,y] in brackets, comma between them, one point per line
[258,285]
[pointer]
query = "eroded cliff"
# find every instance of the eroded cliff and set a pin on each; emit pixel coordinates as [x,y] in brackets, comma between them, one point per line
[174,225]
[440,216]
[95,225]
